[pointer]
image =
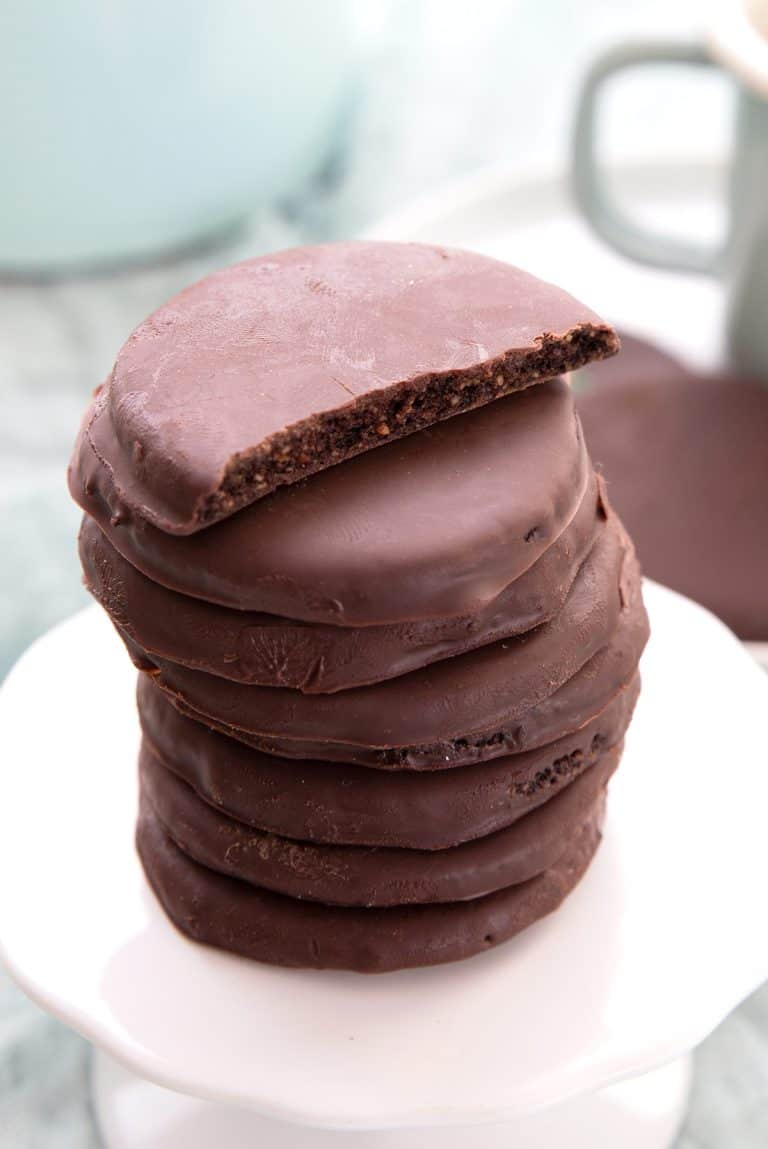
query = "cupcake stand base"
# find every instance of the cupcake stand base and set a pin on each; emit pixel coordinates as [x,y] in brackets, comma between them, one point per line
[642,1113]
[574,1034]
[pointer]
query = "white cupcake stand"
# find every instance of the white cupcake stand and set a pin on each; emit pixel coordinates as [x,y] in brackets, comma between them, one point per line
[576,1034]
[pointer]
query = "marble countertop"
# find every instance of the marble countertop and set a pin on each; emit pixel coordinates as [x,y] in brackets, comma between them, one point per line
[57,341]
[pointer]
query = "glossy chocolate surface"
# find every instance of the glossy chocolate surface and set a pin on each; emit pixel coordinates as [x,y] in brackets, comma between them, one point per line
[434,526]
[359,876]
[317,658]
[509,696]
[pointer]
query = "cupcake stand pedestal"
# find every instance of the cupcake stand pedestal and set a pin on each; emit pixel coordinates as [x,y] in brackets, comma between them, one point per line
[574,1034]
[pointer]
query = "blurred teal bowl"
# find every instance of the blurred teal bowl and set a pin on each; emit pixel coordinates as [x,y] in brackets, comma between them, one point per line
[135,127]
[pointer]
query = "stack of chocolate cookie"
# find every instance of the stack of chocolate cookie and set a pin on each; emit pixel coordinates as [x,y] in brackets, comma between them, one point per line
[387,623]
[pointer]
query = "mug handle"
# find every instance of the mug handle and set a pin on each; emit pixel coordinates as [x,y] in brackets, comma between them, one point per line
[602,210]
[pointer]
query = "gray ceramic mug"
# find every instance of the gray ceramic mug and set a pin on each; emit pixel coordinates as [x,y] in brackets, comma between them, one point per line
[742,260]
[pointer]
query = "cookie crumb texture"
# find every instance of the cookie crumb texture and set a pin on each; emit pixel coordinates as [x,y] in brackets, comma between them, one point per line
[314,444]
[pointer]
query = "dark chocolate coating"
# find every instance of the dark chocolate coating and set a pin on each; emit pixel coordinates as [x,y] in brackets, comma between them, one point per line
[275,368]
[582,698]
[266,650]
[367,542]
[358,876]
[509,696]
[338,803]
[231,914]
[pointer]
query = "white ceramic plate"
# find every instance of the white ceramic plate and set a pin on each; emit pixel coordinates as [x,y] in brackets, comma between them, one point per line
[666,934]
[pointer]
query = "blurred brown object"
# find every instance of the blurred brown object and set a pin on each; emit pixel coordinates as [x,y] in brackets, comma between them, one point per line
[686,461]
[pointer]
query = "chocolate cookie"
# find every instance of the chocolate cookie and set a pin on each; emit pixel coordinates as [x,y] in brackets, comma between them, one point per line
[366,543]
[382,691]
[509,696]
[358,876]
[279,367]
[338,803]
[233,915]
[265,650]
